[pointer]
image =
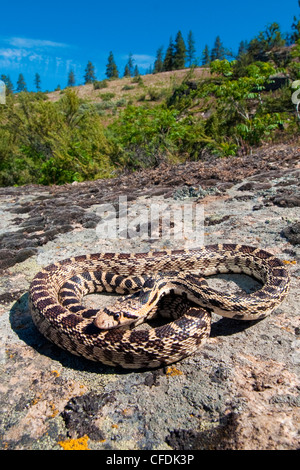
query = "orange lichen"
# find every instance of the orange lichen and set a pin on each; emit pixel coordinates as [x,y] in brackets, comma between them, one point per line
[286,261]
[173,371]
[55,372]
[36,399]
[54,410]
[75,444]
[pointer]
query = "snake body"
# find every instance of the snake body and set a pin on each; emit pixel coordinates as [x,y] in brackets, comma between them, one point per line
[74,328]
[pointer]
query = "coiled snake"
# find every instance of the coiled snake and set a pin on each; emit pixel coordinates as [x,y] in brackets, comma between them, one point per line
[56,290]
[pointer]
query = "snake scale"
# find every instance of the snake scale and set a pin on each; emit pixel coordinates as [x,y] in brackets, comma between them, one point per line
[61,319]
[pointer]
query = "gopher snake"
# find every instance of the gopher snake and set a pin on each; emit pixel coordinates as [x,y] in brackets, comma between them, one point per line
[74,328]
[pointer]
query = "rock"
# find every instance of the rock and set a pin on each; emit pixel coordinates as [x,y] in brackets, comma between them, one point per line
[80,413]
[286,200]
[292,233]
[238,392]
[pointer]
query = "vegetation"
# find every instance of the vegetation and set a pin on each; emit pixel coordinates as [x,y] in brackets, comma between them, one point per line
[71,78]
[89,76]
[236,106]
[51,143]
[111,68]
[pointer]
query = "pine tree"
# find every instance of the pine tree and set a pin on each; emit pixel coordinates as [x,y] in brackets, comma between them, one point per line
[111,68]
[180,52]
[218,51]
[168,63]
[206,56]
[149,71]
[130,64]
[191,50]
[127,71]
[8,83]
[21,84]
[296,27]
[37,82]
[71,78]
[136,72]
[89,76]
[265,41]
[158,64]
[243,48]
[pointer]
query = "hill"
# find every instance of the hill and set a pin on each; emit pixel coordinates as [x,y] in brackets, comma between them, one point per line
[118,93]
[102,129]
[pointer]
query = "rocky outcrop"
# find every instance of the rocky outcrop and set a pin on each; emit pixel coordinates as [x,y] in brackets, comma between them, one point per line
[240,391]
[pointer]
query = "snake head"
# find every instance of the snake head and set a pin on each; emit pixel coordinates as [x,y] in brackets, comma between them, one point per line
[124,312]
[127,310]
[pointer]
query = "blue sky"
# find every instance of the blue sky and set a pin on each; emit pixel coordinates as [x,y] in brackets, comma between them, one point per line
[50,38]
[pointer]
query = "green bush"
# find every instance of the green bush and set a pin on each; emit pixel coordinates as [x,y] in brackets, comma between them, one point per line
[52,143]
[98,85]
[107,96]
[144,136]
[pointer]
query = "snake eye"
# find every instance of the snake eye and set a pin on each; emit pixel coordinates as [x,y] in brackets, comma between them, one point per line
[116,316]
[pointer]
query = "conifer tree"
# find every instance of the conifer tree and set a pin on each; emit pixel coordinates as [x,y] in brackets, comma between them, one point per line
[206,56]
[89,76]
[168,63]
[136,72]
[130,64]
[218,51]
[296,27]
[191,50]
[149,71]
[127,71]
[21,84]
[180,52]
[265,41]
[243,48]
[111,68]
[8,83]
[158,64]
[71,79]
[37,82]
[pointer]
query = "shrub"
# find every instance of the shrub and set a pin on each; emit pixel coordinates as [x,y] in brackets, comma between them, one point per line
[142,136]
[107,96]
[52,143]
[100,84]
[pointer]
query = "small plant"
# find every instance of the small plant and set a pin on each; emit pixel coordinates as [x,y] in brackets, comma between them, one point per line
[128,87]
[98,85]
[107,96]
[155,94]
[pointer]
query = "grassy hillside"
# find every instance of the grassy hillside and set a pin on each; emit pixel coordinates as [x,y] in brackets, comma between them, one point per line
[115,95]
[99,130]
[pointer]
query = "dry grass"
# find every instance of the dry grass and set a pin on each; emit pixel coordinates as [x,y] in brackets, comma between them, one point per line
[131,91]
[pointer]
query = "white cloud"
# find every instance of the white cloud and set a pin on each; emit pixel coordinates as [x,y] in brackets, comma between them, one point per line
[143,61]
[13,54]
[33,43]
[34,56]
